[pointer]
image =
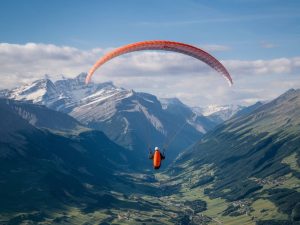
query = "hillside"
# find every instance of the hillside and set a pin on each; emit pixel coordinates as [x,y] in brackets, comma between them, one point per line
[49,174]
[247,169]
[41,117]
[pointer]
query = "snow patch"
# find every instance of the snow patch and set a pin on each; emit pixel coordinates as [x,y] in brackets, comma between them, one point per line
[156,123]
[126,126]
[196,125]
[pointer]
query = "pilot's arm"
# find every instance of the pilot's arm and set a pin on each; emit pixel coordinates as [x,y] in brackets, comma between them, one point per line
[151,155]
[162,155]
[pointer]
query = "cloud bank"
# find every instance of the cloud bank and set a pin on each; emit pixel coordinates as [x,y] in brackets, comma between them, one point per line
[163,74]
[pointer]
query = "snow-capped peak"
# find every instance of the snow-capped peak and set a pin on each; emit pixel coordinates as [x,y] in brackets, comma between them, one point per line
[206,111]
[39,92]
[218,112]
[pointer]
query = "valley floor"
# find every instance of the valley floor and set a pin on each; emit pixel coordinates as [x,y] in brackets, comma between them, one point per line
[175,200]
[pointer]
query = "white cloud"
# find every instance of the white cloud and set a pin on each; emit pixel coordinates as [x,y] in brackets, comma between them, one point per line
[23,63]
[264,67]
[163,74]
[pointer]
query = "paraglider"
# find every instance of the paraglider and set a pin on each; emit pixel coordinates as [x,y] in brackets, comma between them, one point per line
[172,46]
[165,46]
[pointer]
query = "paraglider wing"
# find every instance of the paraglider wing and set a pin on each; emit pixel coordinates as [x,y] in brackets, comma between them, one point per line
[165,46]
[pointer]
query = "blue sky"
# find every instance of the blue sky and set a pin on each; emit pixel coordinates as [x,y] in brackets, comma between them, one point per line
[243,31]
[244,25]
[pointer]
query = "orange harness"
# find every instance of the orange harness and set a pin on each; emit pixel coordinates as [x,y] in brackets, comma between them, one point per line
[156,160]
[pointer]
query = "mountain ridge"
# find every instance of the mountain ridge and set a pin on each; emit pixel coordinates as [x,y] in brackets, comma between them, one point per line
[110,109]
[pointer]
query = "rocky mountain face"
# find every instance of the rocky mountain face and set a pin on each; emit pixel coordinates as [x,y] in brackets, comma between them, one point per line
[41,117]
[251,162]
[20,118]
[134,120]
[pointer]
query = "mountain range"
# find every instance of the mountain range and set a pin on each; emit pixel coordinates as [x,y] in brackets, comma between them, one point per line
[134,120]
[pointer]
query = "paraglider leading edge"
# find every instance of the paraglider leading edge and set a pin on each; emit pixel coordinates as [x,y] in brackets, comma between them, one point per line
[164,46]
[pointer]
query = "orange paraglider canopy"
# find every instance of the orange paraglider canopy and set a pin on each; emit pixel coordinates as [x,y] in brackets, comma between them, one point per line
[165,46]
